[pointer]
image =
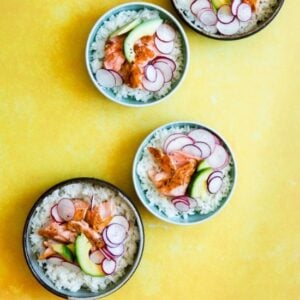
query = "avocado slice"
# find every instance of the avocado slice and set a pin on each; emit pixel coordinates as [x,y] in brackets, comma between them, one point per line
[82,249]
[64,251]
[126,28]
[146,28]
[203,165]
[198,187]
[218,3]
[72,248]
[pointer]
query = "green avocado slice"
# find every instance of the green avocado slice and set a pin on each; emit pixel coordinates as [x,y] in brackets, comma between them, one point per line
[146,28]
[64,251]
[82,249]
[198,187]
[126,28]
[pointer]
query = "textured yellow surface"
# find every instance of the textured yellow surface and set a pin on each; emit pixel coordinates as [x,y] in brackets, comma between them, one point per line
[54,125]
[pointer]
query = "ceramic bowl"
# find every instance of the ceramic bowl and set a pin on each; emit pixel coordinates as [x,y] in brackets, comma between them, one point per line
[37,270]
[165,15]
[141,189]
[183,14]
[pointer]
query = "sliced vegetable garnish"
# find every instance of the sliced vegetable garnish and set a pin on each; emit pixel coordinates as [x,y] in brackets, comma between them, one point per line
[234,6]
[219,158]
[214,185]
[54,214]
[178,143]
[207,17]
[115,233]
[118,78]
[97,257]
[215,174]
[197,5]
[116,251]
[106,240]
[165,33]
[244,12]
[155,85]
[105,78]
[225,14]
[163,47]
[66,209]
[150,73]
[165,69]
[170,138]
[204,136]
[167,60]
[230,28]
[108,266]
[204,148]
[182,206]
[192,150]
[121,220]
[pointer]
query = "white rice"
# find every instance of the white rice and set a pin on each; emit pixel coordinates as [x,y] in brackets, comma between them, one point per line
[61,276]
[117,21]
[163,203]
[264,11]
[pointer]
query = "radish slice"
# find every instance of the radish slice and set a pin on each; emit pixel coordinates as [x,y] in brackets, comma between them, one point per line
[108,266]
[214,185]
[54,214]
[218,158]
[197,5]
[70,266]
[55,260]
[181,206]
[215,174]
[116,251]
[204,136]
[115,233]
[193,150]
[118,78]
[66,209]
[178,144]
[165,33]
[230,28]
[167,60]
[225,15]
[217,141]
[244,12]
[150,73]
[234,6]
[97,257]
[105,78]
[170,138]
[155,85]
[184,199]
[207,17]
[106,240]
[163,47]
[121,220]
[193,202]
[165,69]
[106,254]
[204,148]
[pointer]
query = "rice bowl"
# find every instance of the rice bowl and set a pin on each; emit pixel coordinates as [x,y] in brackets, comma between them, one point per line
[175,203]
[127,80]
[66,278]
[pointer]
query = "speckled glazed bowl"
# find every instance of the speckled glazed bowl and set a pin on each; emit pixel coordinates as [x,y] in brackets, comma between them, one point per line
[38,271]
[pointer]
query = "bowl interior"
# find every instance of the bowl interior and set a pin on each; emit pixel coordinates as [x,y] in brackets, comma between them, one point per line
[39,273]
[191,219]
[131,101]
[260,25]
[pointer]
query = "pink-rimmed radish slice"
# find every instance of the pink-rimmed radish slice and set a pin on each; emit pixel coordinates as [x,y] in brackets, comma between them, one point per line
[120,220]
[106,254]
[66,209]
[244,12]
[234,6]
[150,73]
[204,136]
[118,78]
[182,206]
[197,5]
[204,148]
[225,14]
[165,69]
[97,257]
[217,140]
[214,185]
[207,17]
[116,251]
[155,85]
[215,174]
[116,233]
[55,260]
[230,28]
[70,266]
[193,203]
[164,47]
[108,266]
[105,78]
[54,214]
[167,60]
[178,143]
[218,158]
[106,240]
[192,149]
[166,33]
[183,198]
[170,138]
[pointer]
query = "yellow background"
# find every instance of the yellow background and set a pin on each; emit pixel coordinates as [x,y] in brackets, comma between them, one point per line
[55,125]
